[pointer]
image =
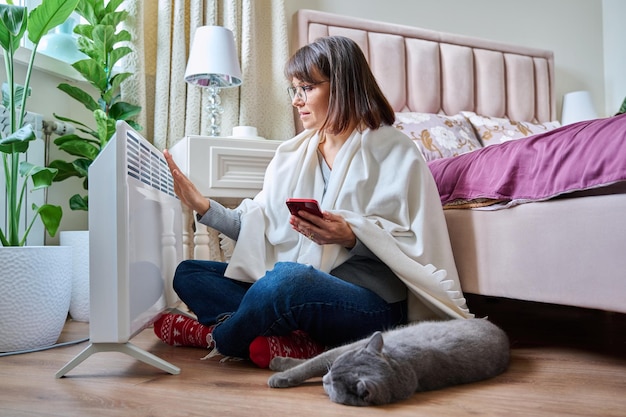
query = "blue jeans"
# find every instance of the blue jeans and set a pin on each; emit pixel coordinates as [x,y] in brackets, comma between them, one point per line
[289,297]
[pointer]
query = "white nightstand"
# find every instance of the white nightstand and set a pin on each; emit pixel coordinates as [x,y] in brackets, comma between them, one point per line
[225,169]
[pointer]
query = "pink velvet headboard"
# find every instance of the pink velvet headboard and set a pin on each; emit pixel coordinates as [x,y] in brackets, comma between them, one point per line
[434,72]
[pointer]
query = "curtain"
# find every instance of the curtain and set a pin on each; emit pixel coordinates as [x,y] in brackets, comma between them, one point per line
[162,34]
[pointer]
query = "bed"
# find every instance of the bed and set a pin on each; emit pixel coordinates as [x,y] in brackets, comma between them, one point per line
[467,99]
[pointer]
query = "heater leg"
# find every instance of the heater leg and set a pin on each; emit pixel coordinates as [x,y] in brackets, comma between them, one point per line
[87,352]
[149,358]
[127,348]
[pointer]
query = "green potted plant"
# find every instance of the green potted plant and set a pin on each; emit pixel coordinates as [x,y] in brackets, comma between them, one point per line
[103,43]
[35,281]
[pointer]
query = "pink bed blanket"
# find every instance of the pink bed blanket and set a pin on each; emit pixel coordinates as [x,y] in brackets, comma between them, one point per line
[581,156]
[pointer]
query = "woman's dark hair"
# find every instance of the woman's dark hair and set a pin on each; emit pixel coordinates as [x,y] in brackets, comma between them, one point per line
[354,93]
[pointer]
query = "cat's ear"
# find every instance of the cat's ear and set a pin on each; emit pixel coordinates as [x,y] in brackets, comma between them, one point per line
[364,389]
[375,344]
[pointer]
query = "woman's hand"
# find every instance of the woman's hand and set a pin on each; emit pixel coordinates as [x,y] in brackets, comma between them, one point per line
[185,189]
[331,228]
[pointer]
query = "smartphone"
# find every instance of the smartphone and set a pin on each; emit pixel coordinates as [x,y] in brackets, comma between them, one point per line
[306,204]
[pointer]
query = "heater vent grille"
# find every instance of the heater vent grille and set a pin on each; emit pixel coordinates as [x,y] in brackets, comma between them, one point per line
[147,165]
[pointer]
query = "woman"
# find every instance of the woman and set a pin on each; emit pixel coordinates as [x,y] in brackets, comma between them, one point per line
[340,277]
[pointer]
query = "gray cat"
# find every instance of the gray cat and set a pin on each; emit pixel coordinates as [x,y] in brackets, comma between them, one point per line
[418,357]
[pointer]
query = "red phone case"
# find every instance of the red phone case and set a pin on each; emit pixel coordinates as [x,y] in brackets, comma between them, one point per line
[306,204]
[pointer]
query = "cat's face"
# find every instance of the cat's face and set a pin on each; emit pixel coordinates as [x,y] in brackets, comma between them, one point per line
[361,377]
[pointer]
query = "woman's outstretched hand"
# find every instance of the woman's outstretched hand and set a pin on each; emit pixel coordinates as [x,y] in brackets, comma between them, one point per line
[332,228]
[185,189]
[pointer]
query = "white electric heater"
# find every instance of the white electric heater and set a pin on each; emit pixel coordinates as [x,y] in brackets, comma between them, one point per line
[135,244]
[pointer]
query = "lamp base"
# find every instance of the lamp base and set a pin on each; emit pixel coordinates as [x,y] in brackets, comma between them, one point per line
[215,110]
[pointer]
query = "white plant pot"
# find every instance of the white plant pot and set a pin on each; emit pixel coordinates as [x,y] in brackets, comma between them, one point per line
[79,303]
[35,288]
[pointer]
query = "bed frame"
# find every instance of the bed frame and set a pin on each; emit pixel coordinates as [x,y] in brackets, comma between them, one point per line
[567,251]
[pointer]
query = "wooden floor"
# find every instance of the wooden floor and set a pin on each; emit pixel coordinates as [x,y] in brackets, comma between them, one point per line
[565,362]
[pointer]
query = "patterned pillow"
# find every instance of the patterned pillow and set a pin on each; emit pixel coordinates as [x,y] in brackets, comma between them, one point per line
[437,135]
[494,130]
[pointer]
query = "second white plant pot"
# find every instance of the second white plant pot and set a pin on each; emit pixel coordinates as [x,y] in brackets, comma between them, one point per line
[79,241]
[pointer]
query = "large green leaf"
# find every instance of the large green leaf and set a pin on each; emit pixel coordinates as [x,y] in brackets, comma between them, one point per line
[93,72]
[103,39]
[64,169]
[72,136]
[106,126]
[118,53]
[86,46]
[123,111]
[3,239]
[115,18]
[79,147]
[41,176]
[50,216]
[67,119]
[89,131]
[78,202]
[84,30]
[13,22]
[18,141]
[112,94]
[48,15]
[102,44]
[81,166]
[135,125]
[86,10]
[13,18]
[66,138]
[79,95]
[112,5]
[18,94]
[122,36]
[99,8]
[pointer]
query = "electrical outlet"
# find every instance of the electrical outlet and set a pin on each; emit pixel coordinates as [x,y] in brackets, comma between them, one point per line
[36,121]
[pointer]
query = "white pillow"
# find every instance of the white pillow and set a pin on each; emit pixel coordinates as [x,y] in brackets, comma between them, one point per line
[437,135]
[494,130]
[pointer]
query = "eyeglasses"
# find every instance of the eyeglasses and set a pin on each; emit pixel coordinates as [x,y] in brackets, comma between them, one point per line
[301,90]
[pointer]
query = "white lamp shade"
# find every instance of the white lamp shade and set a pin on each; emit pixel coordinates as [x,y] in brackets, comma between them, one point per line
[213,58]
[577,106]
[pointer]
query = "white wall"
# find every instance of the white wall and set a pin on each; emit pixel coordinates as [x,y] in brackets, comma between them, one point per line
[614,16]
[573,29]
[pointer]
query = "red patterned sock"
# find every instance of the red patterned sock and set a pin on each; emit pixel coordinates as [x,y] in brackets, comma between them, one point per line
[180,330]
[298,345]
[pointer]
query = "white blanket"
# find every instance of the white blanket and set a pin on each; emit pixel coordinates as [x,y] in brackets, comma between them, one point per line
[381,185]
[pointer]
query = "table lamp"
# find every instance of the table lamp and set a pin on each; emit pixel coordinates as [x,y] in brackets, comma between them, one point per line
[213,64]
[577,106]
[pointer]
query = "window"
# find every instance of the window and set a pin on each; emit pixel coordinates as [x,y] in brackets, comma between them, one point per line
[46,62]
